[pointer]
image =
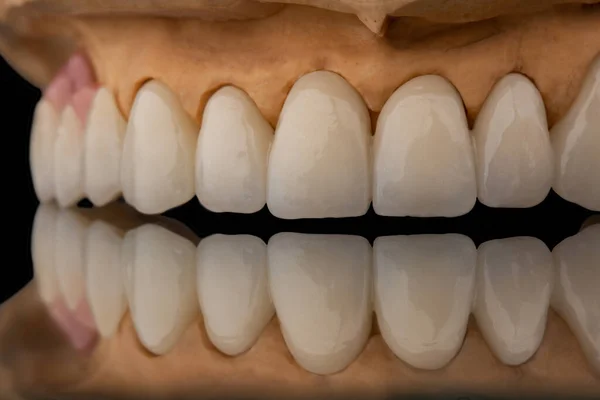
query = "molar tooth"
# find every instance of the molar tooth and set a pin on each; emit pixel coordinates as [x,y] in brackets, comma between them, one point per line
[576,142]
[232,154]
[576,296]
[424,287]
[104,135]
[43,245]
[43,137]
[514,284]
[514,157]
[68,159]
[319,165]
[423,155]
[157,170]
[321,289]
[233,290]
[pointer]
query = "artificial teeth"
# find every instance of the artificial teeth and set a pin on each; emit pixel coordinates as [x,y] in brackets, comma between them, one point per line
[514,156]
[424,287]
[514,284]
[68,159]
[423,156]
[43,137]
[157,171]
[233,290]
[232,154]
[43,245]
[321,289]
[319,165]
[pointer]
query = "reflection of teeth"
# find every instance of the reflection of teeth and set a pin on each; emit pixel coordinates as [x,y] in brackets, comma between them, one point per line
[424,287]
[43,136]
[233,290]
[104,284]
[232,154]
[514,283]
[575,296]
[321,289]
[423,156]
[43,251]
[319,163]
[513,150]
[576,144]
[158,154]
[68,159]
[104,134]
[163,286]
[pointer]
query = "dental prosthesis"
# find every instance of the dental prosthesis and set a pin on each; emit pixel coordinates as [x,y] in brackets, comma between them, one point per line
[319,109]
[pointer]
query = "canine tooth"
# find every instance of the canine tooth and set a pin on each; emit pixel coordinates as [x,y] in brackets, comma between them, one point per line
[514,284]
[163,286]
[319,165]
[321,289]
[232,154]
[104,135]
[514,159]
[68,159]
[233,290]
[43,250]
[104,284]
[424,287]
[576,142]
[157,170]
[423,155]
[576,296]
[43,137]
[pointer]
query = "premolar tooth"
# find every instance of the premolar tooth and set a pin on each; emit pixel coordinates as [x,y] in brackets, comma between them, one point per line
[424,286]
[43,137]
[319,165]
[514,284]
[576,296]
[513,151]
[232,154]
[157,170]
[321,289]
[163,286]
[104,135]
[576,142]
[43,245]
[423,156]
[68,159]
[233,290]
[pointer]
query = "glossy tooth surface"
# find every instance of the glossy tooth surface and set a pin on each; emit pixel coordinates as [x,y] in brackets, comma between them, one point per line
[232,154]
[321,289]
[157,169]
[512,145]
[233,290]
[43,137]
[319,165]
[576,142]
[104,134]
[103,276]
[576,295]
[68,159]
[514,284]
[424,287]
[163,286]
[43,246]
[423,156]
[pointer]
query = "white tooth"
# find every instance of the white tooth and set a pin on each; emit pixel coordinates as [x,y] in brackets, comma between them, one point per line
[233,290]
[232,154]
[424,287]
[576,142]
[319,165]
[576,295]
[104,134]
[513,152]
[163,286]
[43,136]
[423,155]
[321,289]
[157,170]
[69,257]
[514,283]
[68,159]
[104,284]
[43,250]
